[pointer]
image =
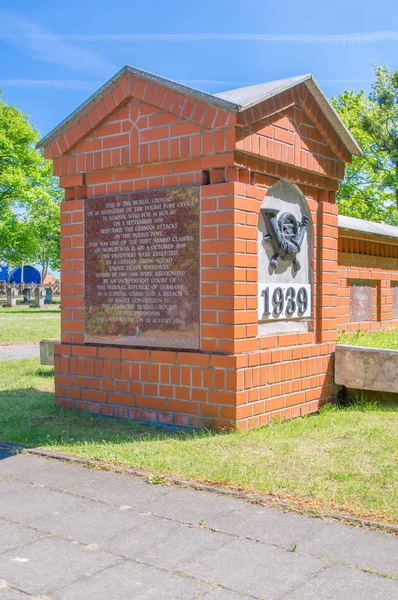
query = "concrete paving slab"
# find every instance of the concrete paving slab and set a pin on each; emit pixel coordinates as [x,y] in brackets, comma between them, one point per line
[8,593]
[157,535]
[354,546]
[254,569]
[107,486]
[26,465]
[11,484]
[132,580]
[13,505]
[270,525]
[89,522]
[14,464]
[167,544]
[343,583]
[48,564]
[192,506]
[223,594]
[320,537]
[19,351]
[14,535]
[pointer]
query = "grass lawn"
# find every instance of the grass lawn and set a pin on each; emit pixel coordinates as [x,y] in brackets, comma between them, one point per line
[375,339]
[24,324]
[341,460]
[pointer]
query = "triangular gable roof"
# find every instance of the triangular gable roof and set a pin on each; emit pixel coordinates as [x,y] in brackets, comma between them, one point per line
[235,101]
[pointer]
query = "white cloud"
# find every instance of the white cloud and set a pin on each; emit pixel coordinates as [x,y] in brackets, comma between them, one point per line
[47,47]
[91,86]
[295,38]
[215,81]
[365,80]
[66,84]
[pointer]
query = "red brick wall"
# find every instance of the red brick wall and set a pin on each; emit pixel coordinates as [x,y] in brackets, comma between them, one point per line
[290,137]
[256,379]
[288,374]
[141,134]
[141,137]
[367,259]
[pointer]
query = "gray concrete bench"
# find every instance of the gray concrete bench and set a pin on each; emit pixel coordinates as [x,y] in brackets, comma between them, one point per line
[360,368]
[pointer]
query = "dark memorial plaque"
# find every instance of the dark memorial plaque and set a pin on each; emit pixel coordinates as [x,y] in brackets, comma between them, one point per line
[142,269]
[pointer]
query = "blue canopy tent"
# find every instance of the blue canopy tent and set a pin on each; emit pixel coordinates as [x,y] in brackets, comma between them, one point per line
[3,273]
[30,275]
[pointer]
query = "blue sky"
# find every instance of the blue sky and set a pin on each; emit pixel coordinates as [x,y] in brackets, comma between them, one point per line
[55,54]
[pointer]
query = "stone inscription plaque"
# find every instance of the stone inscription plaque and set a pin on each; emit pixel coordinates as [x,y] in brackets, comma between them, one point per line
[395,301]
[142,269]
[361,301]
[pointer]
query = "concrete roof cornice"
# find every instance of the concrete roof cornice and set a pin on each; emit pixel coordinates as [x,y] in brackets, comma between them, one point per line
[362,226]
[235,101]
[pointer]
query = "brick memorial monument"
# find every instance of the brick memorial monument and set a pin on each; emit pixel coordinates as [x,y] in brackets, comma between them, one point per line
[199,244]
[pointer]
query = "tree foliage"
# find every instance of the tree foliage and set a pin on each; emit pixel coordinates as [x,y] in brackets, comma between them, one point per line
[370,189]
[29,195]
[43,219]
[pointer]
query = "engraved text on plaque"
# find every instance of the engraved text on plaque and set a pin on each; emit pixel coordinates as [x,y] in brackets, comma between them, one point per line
[142,269]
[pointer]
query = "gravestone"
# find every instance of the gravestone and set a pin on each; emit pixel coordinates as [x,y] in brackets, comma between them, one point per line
[11,297]
[39,297]
[199,251]
[49,296]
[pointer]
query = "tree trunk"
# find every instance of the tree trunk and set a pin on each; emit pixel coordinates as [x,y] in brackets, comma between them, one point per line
[44,271]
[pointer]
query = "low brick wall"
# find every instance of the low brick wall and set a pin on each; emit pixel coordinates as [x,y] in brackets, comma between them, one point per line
[367,275]
[185,389]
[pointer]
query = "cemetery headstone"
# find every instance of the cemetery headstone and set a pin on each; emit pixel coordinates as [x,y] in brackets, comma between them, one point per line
[39,297]
[48,296]
[11,297]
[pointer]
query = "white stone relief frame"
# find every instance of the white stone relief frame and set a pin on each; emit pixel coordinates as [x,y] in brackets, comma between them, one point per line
[287,198]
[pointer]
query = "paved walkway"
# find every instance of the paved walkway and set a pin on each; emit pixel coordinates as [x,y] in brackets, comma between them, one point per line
[19,351]
[72,533]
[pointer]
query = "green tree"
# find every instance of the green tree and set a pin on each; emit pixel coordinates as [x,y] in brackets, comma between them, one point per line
[17,239]
[43,220]
[29,195]
[370,189]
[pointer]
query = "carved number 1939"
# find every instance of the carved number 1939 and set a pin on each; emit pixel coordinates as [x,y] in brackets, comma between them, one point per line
[284,301]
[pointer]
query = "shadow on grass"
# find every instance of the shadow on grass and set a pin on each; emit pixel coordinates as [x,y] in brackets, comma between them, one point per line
[29,416]
[43,372]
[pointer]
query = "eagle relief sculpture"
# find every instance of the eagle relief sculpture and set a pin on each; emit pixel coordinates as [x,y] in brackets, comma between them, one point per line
[286,235]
